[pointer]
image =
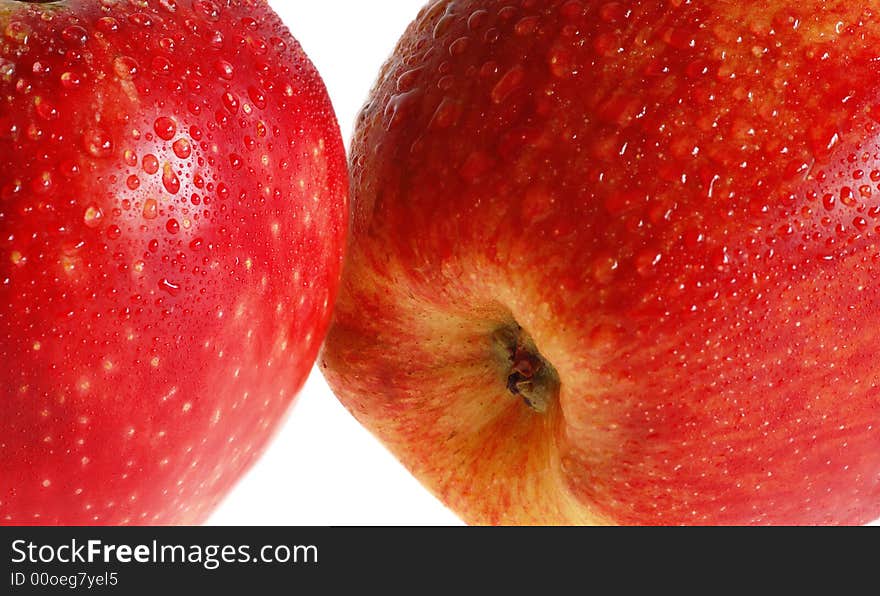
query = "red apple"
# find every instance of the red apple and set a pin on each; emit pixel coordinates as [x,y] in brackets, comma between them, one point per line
[173,193]
[617,262]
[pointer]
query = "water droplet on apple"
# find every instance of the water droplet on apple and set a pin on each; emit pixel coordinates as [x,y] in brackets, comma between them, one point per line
[165,128]
[224,69]
[130,158]
[216,39]
[443,25]
[71,80]
[41,68]
[828,201]
[45,109]
[42,184]
[508,84]
[478,19]
[17,32]
[398,106]
[126,67]
[107,25]
[407,81]
[140,19]
[646,262]
[526,26]
[446,115]
[170,180]
[93,216]
[258,97]
[230,102]
[169,287]
[98,143]
[561,62]
[182,148]
[161,65]
[208,9]
[604,269]
[151,209]
[150,164]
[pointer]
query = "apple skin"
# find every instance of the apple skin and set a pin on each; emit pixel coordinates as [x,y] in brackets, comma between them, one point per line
[173,214]
[676,204]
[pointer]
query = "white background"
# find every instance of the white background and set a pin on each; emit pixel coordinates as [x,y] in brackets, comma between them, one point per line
[323,468]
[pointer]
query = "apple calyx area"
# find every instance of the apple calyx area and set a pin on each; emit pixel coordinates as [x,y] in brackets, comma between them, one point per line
[529,376]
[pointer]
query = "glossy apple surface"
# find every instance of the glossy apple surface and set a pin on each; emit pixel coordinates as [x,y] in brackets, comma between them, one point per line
[173,213]
[617,262]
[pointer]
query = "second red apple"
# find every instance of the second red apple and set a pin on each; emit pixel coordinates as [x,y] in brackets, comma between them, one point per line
[617,262]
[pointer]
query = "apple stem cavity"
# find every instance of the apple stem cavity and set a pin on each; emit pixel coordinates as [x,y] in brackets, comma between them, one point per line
[528,375]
